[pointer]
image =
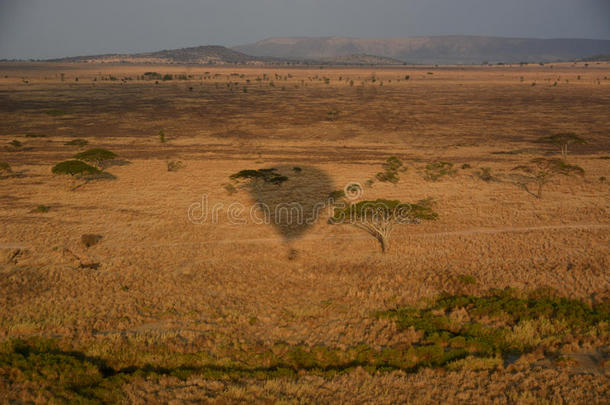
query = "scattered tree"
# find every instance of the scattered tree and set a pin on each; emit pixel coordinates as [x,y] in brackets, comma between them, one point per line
[562,141]
[97,156]
[259,177]
[379,217]
[74,168]
[541,171]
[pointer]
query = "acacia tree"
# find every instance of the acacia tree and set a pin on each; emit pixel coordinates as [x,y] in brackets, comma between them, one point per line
[74,168]
[541,171]
[257,178]
[97,156]
[562,141]
[379,217]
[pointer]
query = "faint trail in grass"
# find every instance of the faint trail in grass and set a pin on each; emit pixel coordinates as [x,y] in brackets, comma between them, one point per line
[466,232]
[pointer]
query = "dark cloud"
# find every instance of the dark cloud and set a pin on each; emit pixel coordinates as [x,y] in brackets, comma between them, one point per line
[54,28]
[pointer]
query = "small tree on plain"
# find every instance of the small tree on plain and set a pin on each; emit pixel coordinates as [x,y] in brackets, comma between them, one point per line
[74,168]
[541,171]
[379,217]
[562,141]
[257,178]
[97,156]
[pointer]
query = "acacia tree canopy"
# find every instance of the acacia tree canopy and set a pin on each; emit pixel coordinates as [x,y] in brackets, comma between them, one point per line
[97,156]
[262,175]
[378,217]
[562,140]
[541,171]
[74,168]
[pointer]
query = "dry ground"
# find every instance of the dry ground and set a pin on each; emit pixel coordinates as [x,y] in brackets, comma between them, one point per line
[162,280]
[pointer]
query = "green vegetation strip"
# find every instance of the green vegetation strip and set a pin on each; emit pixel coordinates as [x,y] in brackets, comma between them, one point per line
[455,332]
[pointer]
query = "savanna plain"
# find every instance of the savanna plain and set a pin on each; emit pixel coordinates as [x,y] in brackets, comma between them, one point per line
[116,287]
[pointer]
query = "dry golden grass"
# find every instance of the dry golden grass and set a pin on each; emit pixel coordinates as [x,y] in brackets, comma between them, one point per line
[162,278]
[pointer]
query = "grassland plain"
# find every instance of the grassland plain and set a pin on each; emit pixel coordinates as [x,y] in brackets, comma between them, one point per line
[503,299]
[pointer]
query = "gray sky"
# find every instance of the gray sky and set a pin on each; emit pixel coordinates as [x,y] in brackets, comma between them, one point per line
[56,28]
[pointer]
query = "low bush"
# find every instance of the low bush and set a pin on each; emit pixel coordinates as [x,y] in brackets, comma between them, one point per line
[41,209]
[336,195]
[77,142]
[437,170]
[90,239]
[485,174]
[5,169]
[174,165]
[392,167]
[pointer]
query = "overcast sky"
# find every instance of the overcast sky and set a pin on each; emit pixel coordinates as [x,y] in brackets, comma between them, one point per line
[56,28]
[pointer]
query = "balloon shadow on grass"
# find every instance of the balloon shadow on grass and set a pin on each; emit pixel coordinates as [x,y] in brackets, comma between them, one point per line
[292,205]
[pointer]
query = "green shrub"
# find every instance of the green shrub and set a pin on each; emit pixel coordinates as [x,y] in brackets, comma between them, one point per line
[332,115]
[467,279]
[392,166]
[336,195]
[55,112]
[485,174]
[466,166]
[77,142]
[15,143]
[42,209]
[437,170]
[174,165]
[5,169]
[162,136]
[74,168]
[229,188]
[500,322]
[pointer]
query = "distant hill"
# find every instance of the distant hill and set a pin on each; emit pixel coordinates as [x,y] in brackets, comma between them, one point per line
[200,55]
[219,55]
[442,50]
